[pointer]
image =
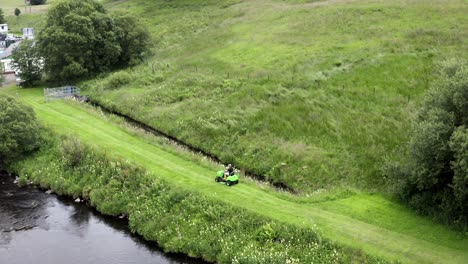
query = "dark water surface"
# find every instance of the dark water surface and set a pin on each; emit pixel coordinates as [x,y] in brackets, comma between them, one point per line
[36,227]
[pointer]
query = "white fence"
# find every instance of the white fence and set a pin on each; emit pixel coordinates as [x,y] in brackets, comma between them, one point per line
[52,94]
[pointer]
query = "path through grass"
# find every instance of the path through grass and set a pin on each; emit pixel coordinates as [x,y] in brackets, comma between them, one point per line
[326,87]
[361,220]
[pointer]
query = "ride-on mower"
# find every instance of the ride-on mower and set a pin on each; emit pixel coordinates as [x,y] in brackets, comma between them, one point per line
[230,180]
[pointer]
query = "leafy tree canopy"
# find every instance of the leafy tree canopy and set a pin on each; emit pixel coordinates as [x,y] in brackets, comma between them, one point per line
[19,130]
[27,60]
[434,179]
[2,17]
[80,39]
[132,37]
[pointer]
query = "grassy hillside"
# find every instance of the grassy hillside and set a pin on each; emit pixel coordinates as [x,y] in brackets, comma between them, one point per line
[310,93]
[31,16]
[360,220]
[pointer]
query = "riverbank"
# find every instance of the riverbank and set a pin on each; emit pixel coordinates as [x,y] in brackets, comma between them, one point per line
[367,222]
[181,221]
[37,225]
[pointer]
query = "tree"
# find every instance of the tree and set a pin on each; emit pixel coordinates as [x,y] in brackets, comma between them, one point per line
[17,12]
[80,39]
[27,61]
[19,129]
[132,37]
[77,40]
[434,180]
[2,17]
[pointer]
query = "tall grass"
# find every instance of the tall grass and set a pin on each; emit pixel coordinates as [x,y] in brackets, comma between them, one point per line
[367,221]
[309,96]
[178,219]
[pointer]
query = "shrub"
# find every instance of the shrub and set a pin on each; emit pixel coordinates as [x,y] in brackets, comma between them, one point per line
[19,130]
[73,152]
[118,80]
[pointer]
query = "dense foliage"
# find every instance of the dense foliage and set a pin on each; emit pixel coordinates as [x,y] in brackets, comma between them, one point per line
[17,12]
[434,179]
[26,59]
[132,37]
[81,39]
[2,17]
[179,220]
[19,130]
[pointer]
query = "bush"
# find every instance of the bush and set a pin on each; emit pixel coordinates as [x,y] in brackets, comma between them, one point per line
[19,130]
[73,152]
[118,80]
[433,179]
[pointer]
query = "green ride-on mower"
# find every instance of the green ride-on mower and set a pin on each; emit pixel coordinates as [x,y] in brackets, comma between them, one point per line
[230,180]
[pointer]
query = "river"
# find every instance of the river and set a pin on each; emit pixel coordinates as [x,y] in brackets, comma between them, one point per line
[36,227]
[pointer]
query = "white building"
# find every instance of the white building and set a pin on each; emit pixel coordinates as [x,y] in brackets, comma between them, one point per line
[3,28]
[5,59]
[28,33]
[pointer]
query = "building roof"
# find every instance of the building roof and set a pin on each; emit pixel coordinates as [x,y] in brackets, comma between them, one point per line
[7,53]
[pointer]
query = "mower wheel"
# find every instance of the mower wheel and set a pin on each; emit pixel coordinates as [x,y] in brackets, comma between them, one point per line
[228,183]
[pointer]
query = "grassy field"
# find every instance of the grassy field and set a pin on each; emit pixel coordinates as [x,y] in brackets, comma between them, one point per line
[9,6]
[312,94]
[31,16]
[361,220]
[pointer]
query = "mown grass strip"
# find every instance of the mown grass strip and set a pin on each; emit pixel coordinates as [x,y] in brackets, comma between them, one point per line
[420,241]
[326,87]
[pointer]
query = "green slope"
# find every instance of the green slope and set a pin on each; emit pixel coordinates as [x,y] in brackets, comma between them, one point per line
[371,222]
[31,16]
[327,88]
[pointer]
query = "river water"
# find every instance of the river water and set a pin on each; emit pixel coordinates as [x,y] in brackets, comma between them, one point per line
[36,227]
